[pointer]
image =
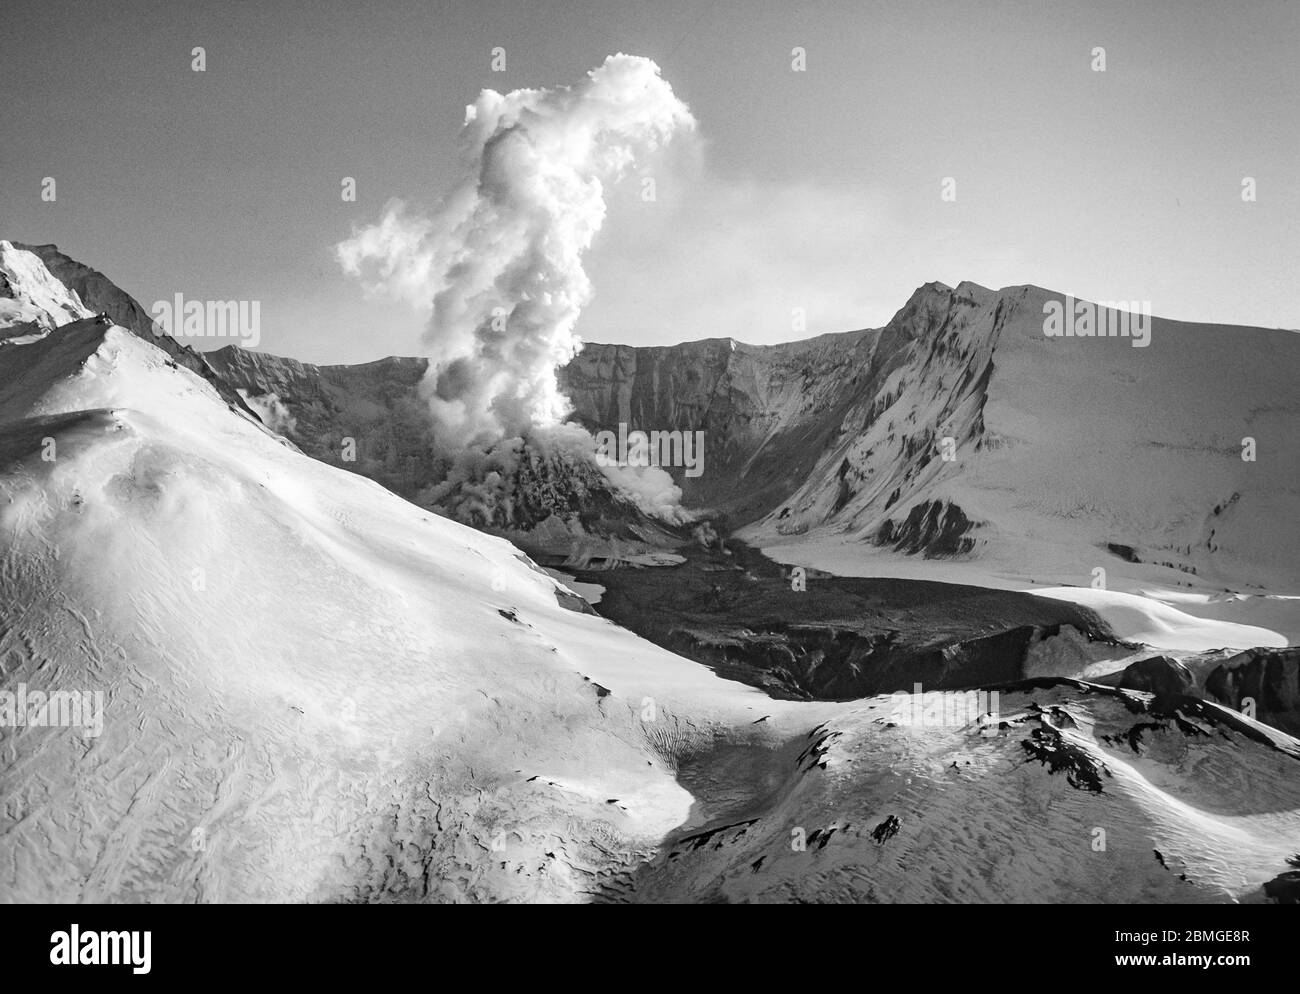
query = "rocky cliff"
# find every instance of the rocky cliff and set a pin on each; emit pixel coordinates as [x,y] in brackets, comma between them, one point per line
[767,412]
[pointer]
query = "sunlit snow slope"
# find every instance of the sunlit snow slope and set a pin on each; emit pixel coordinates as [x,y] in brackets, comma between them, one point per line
[1068,455]
[315,691]
[958,442]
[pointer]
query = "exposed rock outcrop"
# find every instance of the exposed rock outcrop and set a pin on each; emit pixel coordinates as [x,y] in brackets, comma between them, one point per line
[1158,675]
[1270,678]
[844,638]
[376,404]
[767,412]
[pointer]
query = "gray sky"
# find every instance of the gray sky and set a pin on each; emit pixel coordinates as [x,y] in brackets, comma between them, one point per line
[818,189]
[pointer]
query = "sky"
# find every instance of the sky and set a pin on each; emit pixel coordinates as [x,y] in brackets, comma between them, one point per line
[815,192]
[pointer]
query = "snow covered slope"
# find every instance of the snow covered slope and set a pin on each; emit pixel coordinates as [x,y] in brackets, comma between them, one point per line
[314,690]
[311,688]
[32,301]
[1071,795]
[1068,456]
[101,295]
[960,434]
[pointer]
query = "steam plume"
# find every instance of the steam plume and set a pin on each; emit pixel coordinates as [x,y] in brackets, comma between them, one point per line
[501,258]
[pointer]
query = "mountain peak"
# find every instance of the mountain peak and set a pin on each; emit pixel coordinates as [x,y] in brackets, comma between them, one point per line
[374,678]
[64,289]
[32,300]
[966,288]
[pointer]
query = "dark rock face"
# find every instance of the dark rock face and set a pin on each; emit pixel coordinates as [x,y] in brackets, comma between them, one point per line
[767,412]
[844,662]
[1269,677]
[1125,552]
[1268,680]
[933,528]
[377,405]
[840,426]
[1284,888]
[1082,770]
[1158,675]
[841,638]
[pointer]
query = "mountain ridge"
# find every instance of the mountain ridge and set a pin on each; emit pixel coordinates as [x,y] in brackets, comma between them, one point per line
[313,690]
[829,450]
